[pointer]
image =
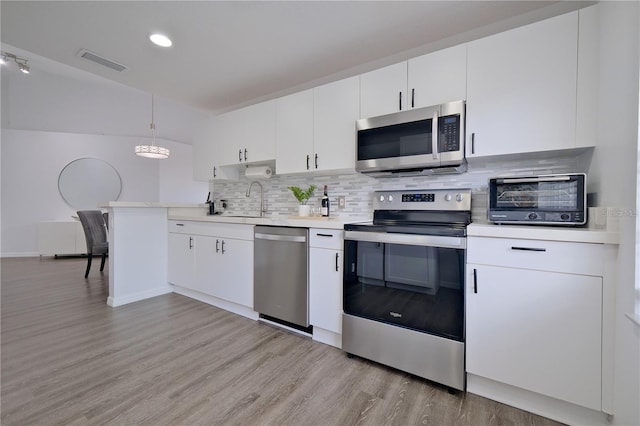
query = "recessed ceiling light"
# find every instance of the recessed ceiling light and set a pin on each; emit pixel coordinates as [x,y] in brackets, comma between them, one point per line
[160,40]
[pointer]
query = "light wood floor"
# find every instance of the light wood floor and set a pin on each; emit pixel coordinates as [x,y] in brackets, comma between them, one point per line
[68,358]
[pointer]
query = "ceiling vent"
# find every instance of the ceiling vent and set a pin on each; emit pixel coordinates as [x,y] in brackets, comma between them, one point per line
[86,54]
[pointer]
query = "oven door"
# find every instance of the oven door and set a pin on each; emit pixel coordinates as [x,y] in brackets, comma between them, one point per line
[412,281]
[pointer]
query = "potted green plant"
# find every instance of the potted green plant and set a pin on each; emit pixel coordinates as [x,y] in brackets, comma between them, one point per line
[303,196]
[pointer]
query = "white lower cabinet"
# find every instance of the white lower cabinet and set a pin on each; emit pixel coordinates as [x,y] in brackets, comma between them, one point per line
[325,285]
[214,259]
[531,328]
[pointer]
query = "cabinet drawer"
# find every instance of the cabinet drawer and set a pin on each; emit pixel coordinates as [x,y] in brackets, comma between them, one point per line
[326,238]
[222,230]
[555,256]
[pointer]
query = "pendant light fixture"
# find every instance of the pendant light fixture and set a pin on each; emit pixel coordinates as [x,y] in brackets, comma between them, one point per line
[153,150]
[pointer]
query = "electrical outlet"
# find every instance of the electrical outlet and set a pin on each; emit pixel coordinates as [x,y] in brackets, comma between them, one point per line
[341,202]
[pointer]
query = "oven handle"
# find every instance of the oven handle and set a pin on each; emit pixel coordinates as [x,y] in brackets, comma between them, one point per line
[408,239]
[535,179]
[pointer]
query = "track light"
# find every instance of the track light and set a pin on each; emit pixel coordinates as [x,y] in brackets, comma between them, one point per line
[22,63]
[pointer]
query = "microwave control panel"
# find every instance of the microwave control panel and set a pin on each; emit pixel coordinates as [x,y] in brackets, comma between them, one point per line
[449,133]
[433,199]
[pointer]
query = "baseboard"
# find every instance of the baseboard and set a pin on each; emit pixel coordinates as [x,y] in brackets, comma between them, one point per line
[532,402]
[136,297]
[327,337]
[217,302]
[20,254]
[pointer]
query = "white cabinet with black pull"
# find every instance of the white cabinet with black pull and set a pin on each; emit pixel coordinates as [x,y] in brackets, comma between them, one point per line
[315,128]
[432,79]
[536,319]
[325,285]
[213,259]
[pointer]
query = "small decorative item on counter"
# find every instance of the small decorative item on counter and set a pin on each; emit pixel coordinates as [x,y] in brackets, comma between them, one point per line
[325,203]
[303,196]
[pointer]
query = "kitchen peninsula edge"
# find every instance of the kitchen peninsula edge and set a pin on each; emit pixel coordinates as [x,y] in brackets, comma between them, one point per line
[138,246]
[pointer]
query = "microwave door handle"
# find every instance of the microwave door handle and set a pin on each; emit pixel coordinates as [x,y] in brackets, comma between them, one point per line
[434,136]
[538,179]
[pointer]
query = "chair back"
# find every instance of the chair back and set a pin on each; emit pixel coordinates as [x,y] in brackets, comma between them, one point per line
[95,232]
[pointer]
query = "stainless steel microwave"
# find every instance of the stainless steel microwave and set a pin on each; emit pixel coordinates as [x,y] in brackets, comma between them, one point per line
[559,199]
[416,141]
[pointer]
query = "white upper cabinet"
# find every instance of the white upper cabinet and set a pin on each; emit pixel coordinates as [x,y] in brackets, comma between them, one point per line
[336,109]
[202,150]
[383,91]
[521,89]
[294,132]
[316,128]
[427,80]
[438,77]
[247,135]
[208,146]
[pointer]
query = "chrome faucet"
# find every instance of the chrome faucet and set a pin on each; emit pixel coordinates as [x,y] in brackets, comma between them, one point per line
[248,194]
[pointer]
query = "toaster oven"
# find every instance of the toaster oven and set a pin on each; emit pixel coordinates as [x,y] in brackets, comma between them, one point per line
[559,199]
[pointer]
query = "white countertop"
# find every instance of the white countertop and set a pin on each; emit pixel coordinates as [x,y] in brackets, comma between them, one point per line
[295,221]
[548,233]
[146,204]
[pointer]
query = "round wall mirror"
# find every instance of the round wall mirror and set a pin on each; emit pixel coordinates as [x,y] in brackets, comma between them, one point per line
[85,182]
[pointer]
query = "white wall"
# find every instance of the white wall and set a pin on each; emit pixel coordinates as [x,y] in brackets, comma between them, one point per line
[55,115]
[614,169]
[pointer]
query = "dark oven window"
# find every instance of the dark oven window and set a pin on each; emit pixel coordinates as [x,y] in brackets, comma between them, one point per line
[417,287]
[399,140]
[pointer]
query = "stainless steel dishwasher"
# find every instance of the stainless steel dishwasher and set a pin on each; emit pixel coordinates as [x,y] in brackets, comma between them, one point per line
[280,274]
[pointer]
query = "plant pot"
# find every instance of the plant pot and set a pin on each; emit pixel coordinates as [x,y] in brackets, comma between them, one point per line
[304,210]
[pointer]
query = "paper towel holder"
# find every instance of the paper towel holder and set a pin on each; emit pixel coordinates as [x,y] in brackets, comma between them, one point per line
[258,172]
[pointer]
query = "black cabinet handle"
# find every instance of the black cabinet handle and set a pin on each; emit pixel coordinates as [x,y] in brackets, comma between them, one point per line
[217,249]
[307,162]
[413,97]
[337,263]
[316,161]
[473,143]
[475,280]
[324,235]
[190,243]
[528,248]
[400,101]
[179,224]
[245,154]
[239,155]
[214,171]
[222,246]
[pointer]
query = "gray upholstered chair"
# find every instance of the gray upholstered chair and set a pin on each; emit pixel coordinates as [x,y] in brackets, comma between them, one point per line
[95,233]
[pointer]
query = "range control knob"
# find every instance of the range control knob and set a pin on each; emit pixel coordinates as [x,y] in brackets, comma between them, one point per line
[390,198]
[533,216]
[459,197]
[447,197]
[382,198]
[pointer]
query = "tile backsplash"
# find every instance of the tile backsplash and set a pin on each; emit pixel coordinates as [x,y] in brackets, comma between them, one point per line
[358,188]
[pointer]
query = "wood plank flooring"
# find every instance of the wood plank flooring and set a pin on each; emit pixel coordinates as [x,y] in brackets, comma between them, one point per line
[69,359]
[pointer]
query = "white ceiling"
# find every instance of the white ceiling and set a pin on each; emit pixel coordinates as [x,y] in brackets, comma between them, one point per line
[231,53]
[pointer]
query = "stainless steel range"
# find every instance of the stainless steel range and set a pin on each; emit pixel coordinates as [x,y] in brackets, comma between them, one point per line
[404,283]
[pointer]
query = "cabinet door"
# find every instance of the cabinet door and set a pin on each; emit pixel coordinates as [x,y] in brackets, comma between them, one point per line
[521,89]
[205,271]
[258,132]
[203,150]
[325,289]
[336,109]
[294,130]
[247,135]
[438,77]
[383,91]
[181,260]
[234,271]
[536,330]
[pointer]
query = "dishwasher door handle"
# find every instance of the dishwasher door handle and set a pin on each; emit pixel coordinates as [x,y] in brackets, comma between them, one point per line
[275,237]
